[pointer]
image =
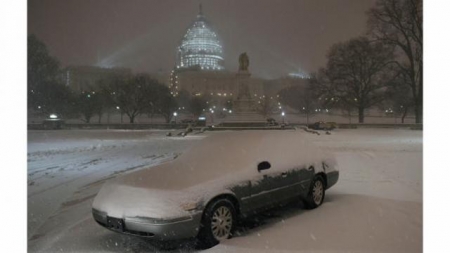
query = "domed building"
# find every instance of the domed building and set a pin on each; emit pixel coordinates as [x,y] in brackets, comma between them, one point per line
[200,71]
[200,47]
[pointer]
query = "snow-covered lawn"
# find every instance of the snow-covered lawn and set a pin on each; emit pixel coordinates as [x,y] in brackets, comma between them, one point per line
[375,206]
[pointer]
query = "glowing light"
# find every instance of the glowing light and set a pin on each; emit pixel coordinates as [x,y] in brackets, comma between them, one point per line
[200,47]
[53,116]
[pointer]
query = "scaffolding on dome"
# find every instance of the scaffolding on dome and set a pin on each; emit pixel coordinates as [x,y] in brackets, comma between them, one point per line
[200,47]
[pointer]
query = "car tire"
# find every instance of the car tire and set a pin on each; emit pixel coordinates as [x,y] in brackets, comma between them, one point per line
[218,223]
[316,193]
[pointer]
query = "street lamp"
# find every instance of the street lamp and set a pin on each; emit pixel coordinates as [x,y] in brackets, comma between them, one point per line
[175,115]
[282,115]
[121,114]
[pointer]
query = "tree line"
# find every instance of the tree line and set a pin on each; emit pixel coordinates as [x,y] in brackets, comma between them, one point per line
[383,68]
[129,94]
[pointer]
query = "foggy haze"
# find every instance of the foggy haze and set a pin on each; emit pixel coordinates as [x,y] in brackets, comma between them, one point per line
[279,36]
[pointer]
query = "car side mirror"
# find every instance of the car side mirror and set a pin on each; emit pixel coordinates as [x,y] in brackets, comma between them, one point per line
[263,166]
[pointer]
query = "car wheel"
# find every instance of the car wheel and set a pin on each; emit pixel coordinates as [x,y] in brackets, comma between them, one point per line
[218,222]
[316,193]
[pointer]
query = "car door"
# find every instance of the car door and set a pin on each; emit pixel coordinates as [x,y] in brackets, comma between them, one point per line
[267,189]
[289,184]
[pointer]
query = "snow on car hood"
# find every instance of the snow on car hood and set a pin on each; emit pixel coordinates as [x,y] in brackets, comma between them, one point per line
[126,201]
[212,165]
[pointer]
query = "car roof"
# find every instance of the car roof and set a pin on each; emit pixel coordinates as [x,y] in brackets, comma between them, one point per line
[247,148]
[233,154]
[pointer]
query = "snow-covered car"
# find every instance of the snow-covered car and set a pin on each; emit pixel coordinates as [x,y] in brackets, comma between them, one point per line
[225,177]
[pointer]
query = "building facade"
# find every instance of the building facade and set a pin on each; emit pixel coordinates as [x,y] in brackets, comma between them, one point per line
[87,78]
[200,67]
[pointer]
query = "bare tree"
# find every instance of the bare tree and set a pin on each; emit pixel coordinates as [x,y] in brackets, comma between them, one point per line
[197,105]
[356,74]
[165,104]
[46,91]
[42,71]
[302,99]
[88,104]
[133,94]
[266,106]
[399,23]
[399,100]
[55,97]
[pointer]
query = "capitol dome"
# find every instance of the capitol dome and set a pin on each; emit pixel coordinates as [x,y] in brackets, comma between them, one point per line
[200,47]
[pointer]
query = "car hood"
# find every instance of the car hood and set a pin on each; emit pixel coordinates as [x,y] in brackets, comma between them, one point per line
[121,200]
[160,191]
[171,176]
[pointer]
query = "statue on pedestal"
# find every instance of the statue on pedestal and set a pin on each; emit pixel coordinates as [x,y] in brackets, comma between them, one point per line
[243,62]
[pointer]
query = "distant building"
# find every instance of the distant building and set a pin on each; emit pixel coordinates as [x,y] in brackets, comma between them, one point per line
[200,71]
[273,87]
[85,78]
[200,47]
[200,67]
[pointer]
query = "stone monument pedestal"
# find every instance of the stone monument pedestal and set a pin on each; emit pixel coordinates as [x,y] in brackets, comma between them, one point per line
[244,102]
[245,106]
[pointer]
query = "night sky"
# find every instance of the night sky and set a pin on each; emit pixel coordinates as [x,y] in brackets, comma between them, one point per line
[279,36]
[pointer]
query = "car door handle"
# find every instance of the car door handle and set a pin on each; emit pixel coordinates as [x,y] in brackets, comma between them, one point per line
[284,174]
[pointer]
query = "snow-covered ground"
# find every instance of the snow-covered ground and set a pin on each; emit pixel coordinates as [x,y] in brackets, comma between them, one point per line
[376,205]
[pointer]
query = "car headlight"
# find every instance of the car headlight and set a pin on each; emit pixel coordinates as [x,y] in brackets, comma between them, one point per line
[190,206]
